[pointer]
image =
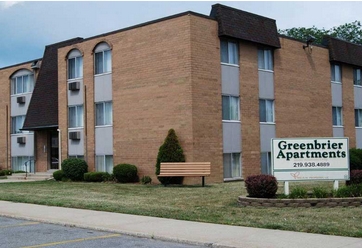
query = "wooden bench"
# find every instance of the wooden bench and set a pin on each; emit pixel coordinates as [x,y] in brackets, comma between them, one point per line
[190,169]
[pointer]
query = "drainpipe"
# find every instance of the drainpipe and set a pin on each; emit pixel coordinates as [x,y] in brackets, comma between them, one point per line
[59,149]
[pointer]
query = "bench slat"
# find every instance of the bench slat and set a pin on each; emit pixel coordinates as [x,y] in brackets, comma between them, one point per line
[185,169]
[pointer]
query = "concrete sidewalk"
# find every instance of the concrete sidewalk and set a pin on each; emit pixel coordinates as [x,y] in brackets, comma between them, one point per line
[212,235]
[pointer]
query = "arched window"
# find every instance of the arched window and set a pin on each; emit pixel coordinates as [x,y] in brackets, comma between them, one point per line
[102,59]
[75,64]
[22,82]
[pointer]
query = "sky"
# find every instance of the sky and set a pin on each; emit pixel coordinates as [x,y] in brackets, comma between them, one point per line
[27,27]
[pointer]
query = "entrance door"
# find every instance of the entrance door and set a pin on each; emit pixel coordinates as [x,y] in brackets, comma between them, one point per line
[54,150]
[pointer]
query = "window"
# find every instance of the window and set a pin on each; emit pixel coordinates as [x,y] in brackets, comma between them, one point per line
[229,52]
[358,117]
[103,113]
[357,74]
[232,165]
[337,116]
[265,59]
[230,108]
[25,163]
[266,110]
[336,73]
[266,163]
[75,116]
[75,65]
[102,58]
[104,163]
[17,123]
[22,84]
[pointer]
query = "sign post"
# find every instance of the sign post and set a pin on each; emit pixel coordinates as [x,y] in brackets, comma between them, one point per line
[308,159]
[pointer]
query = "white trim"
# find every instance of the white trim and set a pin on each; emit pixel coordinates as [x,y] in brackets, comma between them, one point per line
[357,86]
[358,127]
[336,82]
[227,64]
[231,121]
[23,94]
[74,128]
[103,126]
[101,74]
[338,126]
[265,70]
[267,123]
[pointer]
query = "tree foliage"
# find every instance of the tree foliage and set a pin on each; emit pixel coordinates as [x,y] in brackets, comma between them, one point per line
[170,151]
[351,32]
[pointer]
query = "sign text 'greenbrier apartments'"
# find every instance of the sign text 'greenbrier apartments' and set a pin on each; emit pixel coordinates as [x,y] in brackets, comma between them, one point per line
[298,159]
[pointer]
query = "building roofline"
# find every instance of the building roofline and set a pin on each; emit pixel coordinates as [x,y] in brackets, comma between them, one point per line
[40,127]
[149,23]
[301,41]
[22,63]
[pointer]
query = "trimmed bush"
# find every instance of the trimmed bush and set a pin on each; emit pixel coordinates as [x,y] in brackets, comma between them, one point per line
[19,171]
[58,175]
[146,180]
[354,190]
[355,177]
[125,173]
[355,159]
[8,172]
[170,151]
[74,168]
[319,192]
[2,173]
[96,176]
[298,192]
[261,186]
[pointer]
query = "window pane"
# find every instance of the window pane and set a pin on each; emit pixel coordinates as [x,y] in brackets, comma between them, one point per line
[79,116]
[234,108]
[31,83]
[79,67]
[71,68]
[236,168]
[269,110]
[268,59]
[26,83]
[108,113]
[13,86]
[339,116]
[334,116]
[100,163]
[72,117]
[224,52]
[261,64]
[19,85]
[99,63]
[337,73]
[109,164]
[225,108]
[357,76]
[262,111]
[233,53]
[107,61]
[99,114]
[360,117]
[227,163]
[356,118]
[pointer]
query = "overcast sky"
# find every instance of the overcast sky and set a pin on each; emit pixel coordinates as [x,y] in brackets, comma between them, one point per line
[27,27]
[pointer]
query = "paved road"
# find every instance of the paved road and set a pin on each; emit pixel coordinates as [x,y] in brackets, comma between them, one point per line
[16,233]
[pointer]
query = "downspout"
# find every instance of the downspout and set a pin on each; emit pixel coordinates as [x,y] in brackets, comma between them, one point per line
[59,149]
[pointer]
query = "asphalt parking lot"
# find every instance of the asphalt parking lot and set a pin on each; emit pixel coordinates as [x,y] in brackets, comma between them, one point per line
[15,233]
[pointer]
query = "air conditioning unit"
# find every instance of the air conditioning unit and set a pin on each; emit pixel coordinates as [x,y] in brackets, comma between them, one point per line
[20,99]
[74,135]
[35,64]
[21,140]
[74,86]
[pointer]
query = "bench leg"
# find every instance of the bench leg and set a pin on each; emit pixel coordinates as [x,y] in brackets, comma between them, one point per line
[203,181]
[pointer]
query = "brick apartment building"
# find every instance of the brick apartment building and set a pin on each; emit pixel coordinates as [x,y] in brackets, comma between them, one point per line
[227,83]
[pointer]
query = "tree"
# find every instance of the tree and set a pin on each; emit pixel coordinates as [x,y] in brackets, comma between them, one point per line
[351,32]
[170,151]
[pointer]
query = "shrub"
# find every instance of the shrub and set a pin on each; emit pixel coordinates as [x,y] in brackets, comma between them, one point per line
[355,159]
[7,172]
[319,192]
[96,176]
[146,180]
[354,190]
[298,192]
[170,151]
[2,173]
[74,168]
[125,173]
[19,171]
[58,175]
[261,186]
[355,177]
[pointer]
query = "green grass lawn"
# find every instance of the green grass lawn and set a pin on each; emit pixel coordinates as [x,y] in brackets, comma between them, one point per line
[215,203]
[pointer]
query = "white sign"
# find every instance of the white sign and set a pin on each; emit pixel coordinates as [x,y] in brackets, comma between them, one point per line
[304,159]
